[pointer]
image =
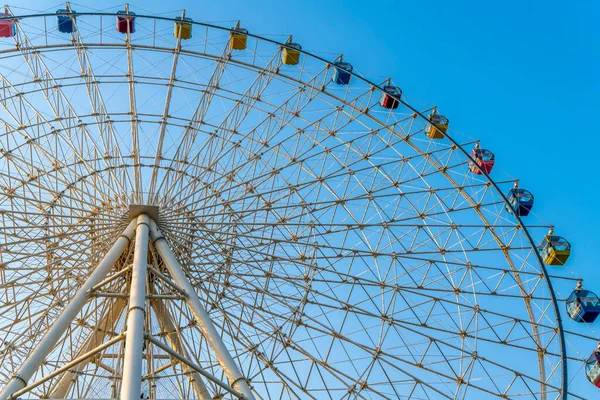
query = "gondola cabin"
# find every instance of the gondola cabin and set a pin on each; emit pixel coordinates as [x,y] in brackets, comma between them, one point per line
[342,72]
[484,161]
[521,201]
[125,22]
[438,126]
[183,28]
[66,20]
[239,37]
[583,306]
[592,368]
[291,54]
[7,26]
[555,250]
[390,96]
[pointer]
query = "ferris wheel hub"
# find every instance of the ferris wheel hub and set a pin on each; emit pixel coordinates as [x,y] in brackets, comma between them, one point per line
[135,210]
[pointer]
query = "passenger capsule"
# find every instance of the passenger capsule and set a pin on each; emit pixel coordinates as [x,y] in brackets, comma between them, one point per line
[554,250]
[521,201]
[291,54]
[125,22]
[438,126]
[484,161]
[387,101]
[183,28]
[66,20]
[583,305]
[342,72]
[592,368]
[7,26]
[239,37]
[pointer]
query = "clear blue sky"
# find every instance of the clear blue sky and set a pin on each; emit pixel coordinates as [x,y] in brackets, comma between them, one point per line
[521,76]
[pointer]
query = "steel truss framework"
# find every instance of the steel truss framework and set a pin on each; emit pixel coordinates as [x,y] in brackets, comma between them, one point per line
[309,243]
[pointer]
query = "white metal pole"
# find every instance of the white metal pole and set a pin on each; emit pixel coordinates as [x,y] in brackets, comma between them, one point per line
[166,325]
[96,339]
[71,364]
[195,367]
[45,346]
[235,377]
[131,384]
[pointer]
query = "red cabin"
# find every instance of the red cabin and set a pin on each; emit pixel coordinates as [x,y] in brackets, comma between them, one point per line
[484,161]
[387,101]
[7,26]
[125,22]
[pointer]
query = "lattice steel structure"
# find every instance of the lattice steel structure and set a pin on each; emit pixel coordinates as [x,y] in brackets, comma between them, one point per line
[185,220]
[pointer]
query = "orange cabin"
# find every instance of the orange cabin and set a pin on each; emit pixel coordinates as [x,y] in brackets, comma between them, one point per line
[437,125]
[239,38]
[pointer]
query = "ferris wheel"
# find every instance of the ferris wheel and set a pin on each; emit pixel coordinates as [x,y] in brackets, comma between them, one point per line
[193,211]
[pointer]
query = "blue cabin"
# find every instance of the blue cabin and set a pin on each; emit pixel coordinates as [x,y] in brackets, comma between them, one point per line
[7,26]
[521,201]
[583,306]
[66,20]
[342,72]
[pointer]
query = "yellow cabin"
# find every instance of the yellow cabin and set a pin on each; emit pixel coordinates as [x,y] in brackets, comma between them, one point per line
[438,127]
[291,54]
[554,250]
[183,28]
[239,37]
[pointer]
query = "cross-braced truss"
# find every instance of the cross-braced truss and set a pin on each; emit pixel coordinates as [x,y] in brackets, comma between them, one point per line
[308,242]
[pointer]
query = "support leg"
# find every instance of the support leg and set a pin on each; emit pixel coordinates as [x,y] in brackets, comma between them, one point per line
[235,377]
[96,339]
[131,385]
[166,325]
[45,346]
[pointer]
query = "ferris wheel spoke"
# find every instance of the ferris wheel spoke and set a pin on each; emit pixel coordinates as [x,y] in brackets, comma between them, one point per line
[435,300]
[286,112]
[165,116]
[509,260]
[428,276]
[135,145]
[242,108]
[102,117]
[457,334]
[189,136]
[317,361]
[331,370]
[295,161]
[53,94]
[229,125]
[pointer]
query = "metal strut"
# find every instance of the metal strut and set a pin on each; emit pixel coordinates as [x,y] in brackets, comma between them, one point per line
[166,325]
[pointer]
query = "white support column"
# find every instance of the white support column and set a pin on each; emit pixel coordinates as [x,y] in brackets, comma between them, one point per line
[45,346]
[166,325]
[131,384]
[73,363]
[95,340]
[235,377]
